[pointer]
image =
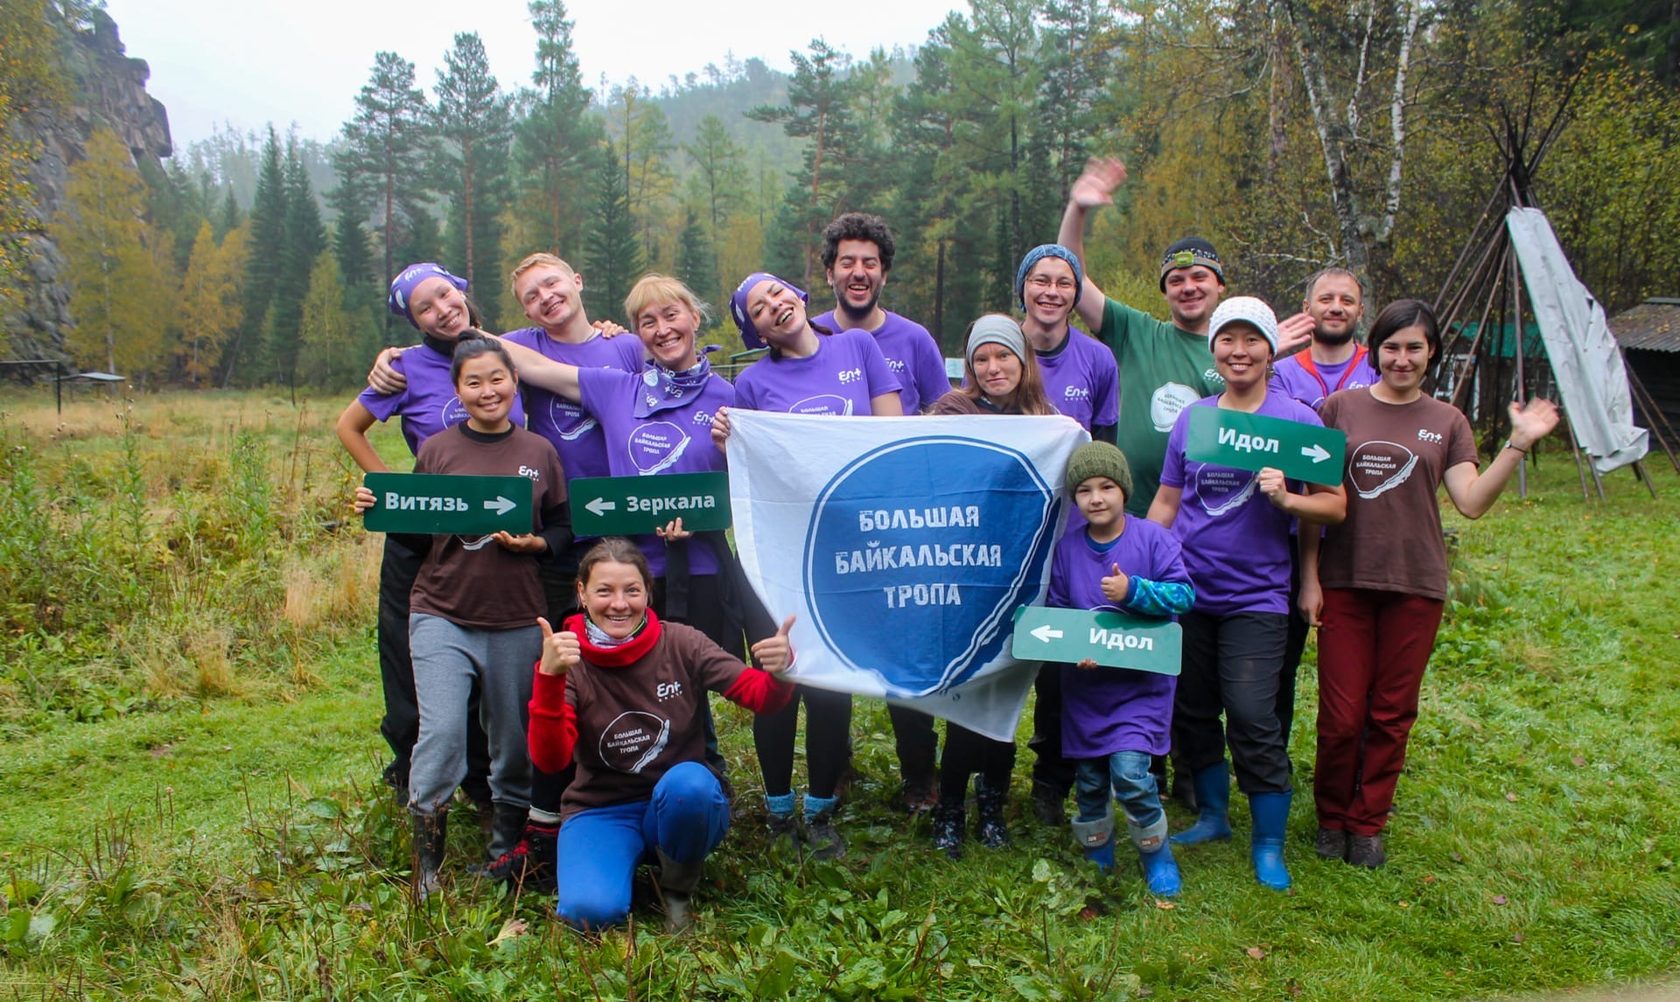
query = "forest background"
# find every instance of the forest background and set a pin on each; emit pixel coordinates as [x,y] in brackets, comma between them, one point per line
[1293,133]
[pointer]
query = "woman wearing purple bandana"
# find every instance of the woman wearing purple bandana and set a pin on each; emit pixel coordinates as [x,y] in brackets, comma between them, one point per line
[809,370]
[435,302]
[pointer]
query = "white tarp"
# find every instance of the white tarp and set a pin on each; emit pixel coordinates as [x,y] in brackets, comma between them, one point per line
[1583,352]
[904,546]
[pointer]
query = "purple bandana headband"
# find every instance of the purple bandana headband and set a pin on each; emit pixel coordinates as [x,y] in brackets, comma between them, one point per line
[738,305]
[409,279]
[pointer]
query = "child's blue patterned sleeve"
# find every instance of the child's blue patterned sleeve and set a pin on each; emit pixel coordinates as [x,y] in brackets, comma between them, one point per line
[1159,598]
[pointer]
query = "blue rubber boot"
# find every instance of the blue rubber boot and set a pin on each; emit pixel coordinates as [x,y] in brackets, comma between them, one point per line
[1271,819]
[1160,872]
[1096,840]
[1213,799]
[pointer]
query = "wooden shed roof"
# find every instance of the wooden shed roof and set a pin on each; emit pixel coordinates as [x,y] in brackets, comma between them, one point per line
[1653,325]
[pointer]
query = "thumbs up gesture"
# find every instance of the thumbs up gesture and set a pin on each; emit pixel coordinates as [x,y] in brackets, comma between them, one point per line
[775,653]
[1115,586]
[560,651]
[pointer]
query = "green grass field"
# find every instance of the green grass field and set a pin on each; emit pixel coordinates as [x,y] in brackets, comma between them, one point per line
[189,706]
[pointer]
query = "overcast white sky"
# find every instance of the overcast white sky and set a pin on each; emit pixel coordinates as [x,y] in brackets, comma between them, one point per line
[256,61]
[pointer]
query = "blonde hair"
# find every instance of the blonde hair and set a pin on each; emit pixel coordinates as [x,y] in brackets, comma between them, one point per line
[537,260]
[1028,396]
[654,289]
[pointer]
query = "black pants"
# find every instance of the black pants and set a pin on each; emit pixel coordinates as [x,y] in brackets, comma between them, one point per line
[1231,665]
[968,752]
[1050,770]
[1293,646]
[401,724]
[917,744]
[828,727]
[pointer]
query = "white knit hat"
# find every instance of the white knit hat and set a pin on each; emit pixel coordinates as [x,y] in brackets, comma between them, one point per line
[1248,310]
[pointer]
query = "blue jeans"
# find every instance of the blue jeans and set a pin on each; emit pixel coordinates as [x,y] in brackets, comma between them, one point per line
[599,848]
[1127,774]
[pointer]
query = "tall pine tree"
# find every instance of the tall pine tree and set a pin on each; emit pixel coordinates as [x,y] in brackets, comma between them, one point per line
[387,153]
[612,252]
[473,118]
[266,239]
[557,144]
[304,237]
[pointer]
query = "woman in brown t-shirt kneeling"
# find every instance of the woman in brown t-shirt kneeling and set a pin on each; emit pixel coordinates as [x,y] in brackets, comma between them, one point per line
[619,693]
[1376,585]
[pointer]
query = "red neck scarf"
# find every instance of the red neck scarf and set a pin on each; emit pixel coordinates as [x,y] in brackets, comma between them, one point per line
[627,653]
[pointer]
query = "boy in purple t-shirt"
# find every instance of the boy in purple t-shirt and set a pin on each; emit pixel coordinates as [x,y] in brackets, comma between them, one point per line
[1113,719]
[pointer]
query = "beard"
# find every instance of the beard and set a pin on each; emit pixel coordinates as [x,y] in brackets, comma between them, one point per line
[846,309]
[1323,336]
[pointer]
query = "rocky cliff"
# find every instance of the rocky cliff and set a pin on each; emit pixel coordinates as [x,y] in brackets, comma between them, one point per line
[107,88]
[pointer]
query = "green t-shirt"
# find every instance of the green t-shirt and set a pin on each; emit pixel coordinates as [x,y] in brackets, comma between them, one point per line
[1163,369]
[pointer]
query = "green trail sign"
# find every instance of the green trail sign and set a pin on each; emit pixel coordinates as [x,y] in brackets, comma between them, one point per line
[617,506]
[441,503]
[1255,441]
[1108,638]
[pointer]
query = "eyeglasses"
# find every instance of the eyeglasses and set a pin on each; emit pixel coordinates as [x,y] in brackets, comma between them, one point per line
[1062,284]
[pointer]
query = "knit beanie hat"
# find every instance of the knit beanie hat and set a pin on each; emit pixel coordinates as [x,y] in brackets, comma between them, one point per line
[1038,254]
[1098,459]
[995,328]
[410,278]
[1248,310]
[738,305]
[1187,253]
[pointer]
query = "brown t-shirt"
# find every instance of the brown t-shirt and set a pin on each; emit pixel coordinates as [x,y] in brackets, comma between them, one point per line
[1397,455]
[634,723]
[471,580]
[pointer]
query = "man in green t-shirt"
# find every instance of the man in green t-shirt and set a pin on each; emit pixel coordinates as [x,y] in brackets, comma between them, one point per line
[1164,367]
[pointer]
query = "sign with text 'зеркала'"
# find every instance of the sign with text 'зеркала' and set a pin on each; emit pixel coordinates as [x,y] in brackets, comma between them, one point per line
[1254,441]
[444,503]
[617,506]
[1113,639]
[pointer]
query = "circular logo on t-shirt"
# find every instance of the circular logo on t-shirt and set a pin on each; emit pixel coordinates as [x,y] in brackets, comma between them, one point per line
[569,420]
[454,412]
[1221,489]
[918,590]
[824,403]
[1167,401]
[657,446]
[1375,468]
[633,740]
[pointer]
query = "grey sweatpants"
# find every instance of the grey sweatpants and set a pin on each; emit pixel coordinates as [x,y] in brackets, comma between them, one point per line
[447,658]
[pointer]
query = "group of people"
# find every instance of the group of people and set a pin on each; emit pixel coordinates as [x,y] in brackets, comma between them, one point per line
[562,681]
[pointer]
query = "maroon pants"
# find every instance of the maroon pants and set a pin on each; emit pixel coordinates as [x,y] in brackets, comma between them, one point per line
[1372,649]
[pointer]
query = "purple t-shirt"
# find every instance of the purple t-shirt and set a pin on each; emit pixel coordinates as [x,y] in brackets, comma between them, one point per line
[913,356]
[674,440]
[575,435]
[1313,385]
[1082,381]
[1236,542]
[428,403]
[841,377]
[1105,710]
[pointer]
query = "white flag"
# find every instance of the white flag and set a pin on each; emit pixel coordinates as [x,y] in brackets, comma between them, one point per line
[905,546]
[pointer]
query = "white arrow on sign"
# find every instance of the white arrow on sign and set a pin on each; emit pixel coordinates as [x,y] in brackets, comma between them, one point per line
[501,505]
[1045,634]
[1317,453]
[600,506]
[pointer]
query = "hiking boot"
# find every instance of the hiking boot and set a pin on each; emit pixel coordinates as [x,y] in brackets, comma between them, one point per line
[948,829]
[1048,804]
[1331,844]
[990,828]
[822,838]
[783,828]
[430,831]
[1366,851]
[542,857]
[918,798]
[677,882]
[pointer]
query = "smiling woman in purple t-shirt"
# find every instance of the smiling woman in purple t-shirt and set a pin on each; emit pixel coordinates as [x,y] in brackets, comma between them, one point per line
[1234,526]
[809,370]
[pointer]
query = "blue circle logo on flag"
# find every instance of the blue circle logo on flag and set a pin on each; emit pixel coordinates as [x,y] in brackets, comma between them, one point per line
[918,554]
